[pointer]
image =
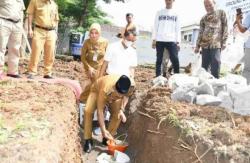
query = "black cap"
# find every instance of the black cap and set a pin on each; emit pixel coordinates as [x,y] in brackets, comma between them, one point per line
[123,84]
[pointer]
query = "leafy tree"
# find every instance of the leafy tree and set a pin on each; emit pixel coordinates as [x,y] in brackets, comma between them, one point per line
[82,12]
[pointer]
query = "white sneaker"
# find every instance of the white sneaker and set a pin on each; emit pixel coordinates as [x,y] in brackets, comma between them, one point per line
[81,113]
[97,131]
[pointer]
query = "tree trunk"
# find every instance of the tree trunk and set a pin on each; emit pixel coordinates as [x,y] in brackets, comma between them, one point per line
[82,20]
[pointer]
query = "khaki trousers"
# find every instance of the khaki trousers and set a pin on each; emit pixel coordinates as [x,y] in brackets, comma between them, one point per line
[87,82]
[11,36]
[89,112]
[43,41]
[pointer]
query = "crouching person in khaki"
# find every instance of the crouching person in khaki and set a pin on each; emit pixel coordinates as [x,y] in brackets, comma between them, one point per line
[45,16]
[107,90]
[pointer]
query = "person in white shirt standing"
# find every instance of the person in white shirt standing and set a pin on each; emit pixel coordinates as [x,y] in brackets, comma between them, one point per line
[167,35]
[121,59]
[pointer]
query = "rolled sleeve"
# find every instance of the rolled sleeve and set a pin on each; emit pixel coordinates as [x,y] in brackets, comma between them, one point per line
[155,28]
[84,52]
[31,7]
[101,100]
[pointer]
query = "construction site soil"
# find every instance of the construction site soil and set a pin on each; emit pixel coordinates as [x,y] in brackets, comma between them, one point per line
[38,123]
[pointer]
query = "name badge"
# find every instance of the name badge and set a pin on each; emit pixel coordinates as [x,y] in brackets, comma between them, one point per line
[95,56]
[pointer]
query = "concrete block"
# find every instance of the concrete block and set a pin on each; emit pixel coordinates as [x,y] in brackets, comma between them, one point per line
[205,88]
[218,85]
[208,100]
[227,102]
[240,97]
[159,81]
[184,93]
[178,80]
[235,79]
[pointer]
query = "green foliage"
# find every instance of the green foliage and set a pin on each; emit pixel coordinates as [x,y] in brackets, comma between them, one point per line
[173,119]
[82,13]
[78,29]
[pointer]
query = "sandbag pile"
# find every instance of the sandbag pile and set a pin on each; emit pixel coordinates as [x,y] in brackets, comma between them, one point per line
[230,92]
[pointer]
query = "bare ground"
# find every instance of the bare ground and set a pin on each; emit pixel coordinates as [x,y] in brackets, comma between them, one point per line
[159,129]
[38,123]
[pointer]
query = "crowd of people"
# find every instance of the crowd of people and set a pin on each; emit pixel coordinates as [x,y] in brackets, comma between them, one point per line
[109,68]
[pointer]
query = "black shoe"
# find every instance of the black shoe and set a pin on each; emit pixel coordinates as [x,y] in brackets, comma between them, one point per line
[88,145]
[48,77]
[104,141]
[14,76]
[164,74]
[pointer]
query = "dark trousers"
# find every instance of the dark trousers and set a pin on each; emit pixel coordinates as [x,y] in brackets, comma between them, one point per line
[173,55]
[211,58]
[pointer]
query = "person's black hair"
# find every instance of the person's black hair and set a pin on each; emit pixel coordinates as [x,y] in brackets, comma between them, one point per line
[123,84]
[129,14]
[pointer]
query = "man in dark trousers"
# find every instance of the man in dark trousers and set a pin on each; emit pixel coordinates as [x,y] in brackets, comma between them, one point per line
[212,37]
[167,35]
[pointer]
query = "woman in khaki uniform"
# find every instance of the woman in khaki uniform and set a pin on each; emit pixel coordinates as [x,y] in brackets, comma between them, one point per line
[92,55]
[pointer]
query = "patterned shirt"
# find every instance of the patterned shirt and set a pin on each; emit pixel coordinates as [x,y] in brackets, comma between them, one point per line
[213,30]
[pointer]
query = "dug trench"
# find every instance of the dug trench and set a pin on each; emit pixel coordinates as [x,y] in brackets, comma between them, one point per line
[34,126]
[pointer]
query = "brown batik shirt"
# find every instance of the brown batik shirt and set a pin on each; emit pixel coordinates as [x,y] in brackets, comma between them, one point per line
[213,30]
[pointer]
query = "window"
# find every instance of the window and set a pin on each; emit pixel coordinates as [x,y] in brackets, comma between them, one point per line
[189,37]
[185,37]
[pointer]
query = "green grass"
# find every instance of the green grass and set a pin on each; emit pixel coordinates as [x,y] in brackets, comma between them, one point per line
[20,126]
[173,119]
[4,134]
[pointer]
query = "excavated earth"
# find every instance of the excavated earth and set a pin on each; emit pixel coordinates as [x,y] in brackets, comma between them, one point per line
[38,121]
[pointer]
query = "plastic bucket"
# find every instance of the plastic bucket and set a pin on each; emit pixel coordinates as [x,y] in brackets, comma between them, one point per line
[117,145]
[121,157]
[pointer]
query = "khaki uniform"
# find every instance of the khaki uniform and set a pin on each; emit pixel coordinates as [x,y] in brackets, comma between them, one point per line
[11,16]
[101,95]
[45,14]
[92,56]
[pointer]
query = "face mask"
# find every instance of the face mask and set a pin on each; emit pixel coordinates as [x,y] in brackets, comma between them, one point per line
[128,43]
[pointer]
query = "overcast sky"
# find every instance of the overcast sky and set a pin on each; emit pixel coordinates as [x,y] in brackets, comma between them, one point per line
[144,11]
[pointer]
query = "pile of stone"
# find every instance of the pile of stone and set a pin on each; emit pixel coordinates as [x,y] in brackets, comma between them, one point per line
[230,92]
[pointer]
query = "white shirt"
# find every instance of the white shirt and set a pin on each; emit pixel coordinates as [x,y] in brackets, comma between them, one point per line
[167,26]
[12,9]
[246,24]
[119,59]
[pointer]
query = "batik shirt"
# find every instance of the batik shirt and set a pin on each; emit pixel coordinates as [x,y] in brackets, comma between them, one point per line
[213,30]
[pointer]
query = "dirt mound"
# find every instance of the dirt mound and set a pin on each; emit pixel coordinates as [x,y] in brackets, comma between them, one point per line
[38,123]
[172,132]
[65,69]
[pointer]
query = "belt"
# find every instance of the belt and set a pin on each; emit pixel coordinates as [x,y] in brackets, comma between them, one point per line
[13,21]
[45,28]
